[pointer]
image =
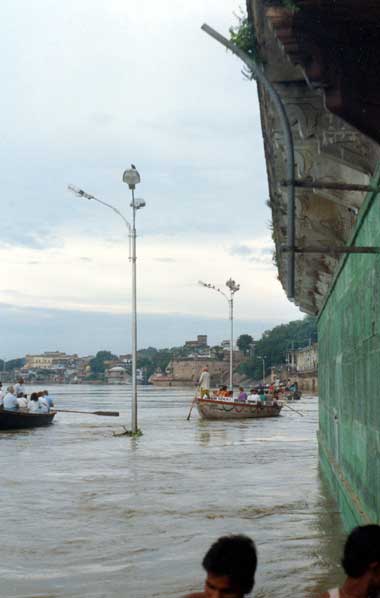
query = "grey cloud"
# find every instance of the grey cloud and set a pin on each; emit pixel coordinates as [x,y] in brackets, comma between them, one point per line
[242,250]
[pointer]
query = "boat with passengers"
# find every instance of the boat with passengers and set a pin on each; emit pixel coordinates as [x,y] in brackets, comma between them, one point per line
[16,420]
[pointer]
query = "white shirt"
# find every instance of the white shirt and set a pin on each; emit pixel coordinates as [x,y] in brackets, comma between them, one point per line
[204,380]
[39,406]
[22,403]
[19,388]
[10,402]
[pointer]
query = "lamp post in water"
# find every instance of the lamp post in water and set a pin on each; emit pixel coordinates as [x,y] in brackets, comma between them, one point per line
[263,360]
[233,288]
[132,178]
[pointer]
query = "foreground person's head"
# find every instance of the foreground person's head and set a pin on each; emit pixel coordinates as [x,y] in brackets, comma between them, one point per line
[230,565]
[361,556]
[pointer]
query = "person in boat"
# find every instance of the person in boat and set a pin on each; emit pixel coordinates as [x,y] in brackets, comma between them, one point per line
[223,392]
[252,397]
[204,382]
[242,394]
[2,394]
[230,566]
[48,399]
[23,403]
[19,388]
[361,564]
[37,403]
[10,400]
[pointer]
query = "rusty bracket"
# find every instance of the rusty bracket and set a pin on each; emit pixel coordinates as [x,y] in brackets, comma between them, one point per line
[306,184]
[330,249]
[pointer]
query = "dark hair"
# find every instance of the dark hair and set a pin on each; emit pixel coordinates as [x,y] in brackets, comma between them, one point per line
[34,396]
[235,557]
[362,548]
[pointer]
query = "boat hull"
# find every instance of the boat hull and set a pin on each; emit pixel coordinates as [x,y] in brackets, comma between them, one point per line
[216,409]
[16,420]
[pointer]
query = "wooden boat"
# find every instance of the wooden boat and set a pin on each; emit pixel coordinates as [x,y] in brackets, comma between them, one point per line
[220,409]
[17,420]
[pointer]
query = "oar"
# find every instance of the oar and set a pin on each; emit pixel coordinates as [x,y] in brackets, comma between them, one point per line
[191,408]
[106,413]
[295,410]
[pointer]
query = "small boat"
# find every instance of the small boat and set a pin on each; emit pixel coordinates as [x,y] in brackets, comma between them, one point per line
[17,420]
[221,409]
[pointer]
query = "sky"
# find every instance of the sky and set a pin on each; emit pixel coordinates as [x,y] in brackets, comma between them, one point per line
[90,87]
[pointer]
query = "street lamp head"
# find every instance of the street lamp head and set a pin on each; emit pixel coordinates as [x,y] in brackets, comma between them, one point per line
[138,203]
[131,177]
[231,284]
[79,192]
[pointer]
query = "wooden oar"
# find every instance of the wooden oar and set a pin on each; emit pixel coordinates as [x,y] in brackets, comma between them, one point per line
[105,413]
[191,408]
[295,410]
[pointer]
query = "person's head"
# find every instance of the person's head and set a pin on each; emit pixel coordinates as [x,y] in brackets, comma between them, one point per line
[11,390]
[361,555]
[205,369]
[46,393]
[40,393]
[34,396]
[230,565]
[20,380]
[241,389]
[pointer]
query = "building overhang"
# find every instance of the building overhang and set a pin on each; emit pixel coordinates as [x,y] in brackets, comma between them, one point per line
[323,62]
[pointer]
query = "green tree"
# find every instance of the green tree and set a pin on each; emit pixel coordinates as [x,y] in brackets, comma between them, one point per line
[15,364]
[244,343]
[97,364]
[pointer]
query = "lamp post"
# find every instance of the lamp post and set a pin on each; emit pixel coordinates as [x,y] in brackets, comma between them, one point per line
[132,178]
[233,288]
[263,360]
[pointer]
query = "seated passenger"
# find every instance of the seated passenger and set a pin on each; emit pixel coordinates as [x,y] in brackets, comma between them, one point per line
[42,402]
[252,397]
[223,392]
[242,395]
[10,400]
[34,406]
[48,399]
[23,403]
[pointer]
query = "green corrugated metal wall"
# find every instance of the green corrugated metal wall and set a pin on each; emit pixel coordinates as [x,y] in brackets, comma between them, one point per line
[349,376]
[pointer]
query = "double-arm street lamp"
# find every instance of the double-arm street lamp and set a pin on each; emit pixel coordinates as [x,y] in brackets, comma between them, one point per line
[233,288]
[132,178]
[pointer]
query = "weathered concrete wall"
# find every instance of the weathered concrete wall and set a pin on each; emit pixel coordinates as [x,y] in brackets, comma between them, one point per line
[187,372]
[349,366]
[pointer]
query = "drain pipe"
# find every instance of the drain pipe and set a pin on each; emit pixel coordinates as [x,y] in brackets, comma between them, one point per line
[289,149]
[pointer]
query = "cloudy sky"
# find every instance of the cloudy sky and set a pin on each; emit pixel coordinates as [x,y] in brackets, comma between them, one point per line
[90,86]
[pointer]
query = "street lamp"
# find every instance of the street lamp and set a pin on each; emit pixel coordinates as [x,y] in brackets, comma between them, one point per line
[132,178]
[233,288]
[263,360]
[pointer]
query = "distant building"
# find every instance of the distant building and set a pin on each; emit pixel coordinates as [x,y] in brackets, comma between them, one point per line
[116,375]
[200,343]
[49,360]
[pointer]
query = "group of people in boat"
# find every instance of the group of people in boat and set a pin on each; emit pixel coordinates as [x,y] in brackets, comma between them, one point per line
[263,393]
[230,566]
[14,398]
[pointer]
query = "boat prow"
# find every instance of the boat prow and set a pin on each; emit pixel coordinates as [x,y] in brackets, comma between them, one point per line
[224,409]
[18,420]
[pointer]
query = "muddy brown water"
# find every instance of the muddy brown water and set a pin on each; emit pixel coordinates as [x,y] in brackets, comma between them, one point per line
[86,514]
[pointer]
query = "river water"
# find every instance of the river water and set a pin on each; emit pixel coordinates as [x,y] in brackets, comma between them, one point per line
[87,514]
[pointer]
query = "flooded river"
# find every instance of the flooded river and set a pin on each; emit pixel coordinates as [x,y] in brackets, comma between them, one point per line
[86,514]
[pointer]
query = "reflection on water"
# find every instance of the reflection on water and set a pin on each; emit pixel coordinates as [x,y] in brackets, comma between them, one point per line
[86,514]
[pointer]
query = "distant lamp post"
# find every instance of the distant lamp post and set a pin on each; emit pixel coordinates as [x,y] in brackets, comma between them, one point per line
[263,360]
[132,178]
[233,288]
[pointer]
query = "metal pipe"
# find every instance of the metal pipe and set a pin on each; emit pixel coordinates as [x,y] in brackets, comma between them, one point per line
[333,249]
[289,146]
[304,184]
